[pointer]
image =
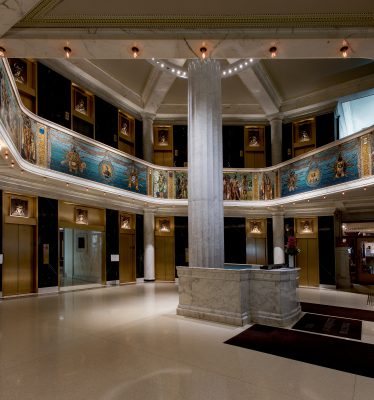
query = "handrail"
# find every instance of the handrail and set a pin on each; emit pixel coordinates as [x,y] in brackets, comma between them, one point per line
[44,144]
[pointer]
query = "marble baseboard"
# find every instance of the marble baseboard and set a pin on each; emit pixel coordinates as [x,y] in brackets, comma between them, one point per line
[276,319]
[213,315]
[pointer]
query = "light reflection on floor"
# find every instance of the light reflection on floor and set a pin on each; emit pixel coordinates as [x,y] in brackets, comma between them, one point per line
[126,342]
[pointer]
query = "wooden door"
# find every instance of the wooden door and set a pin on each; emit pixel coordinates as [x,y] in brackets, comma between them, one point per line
[127,265]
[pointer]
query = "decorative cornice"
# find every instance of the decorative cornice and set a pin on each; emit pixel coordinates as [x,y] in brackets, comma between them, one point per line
[41,16]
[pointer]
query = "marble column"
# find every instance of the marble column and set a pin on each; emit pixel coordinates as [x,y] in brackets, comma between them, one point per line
[205,190]
[276,140]
[149,245]
[278,238]
[148,119]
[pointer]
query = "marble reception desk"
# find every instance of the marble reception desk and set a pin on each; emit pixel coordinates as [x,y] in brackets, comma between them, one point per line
[239,295]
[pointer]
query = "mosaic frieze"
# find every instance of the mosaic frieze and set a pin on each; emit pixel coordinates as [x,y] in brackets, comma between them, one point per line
[330,167]
[181,185]
[160,184]
[76,157]
[10,111]
[237,186]
[266,185]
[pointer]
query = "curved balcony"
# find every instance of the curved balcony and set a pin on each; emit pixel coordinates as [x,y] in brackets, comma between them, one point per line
[41,154]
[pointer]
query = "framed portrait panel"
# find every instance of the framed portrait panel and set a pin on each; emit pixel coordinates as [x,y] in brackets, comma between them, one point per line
[19,207]
[256,228]
[163,137]
[126,127]
[254,138]
[82,104]
[306,227]
[164,226]
[81,216]
[126,222]
[304,132]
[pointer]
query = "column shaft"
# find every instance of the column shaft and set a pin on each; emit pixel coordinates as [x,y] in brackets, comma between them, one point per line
[276,140]
[205,192]
[149,246]
[148,136]
[278,238]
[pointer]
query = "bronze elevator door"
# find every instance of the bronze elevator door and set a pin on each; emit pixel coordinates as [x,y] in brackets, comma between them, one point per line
[164,258]
[127,264]
[18,267]
[307,261]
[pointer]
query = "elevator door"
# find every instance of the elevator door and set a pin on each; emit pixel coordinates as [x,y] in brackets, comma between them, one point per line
[127,264]
[164,258]
[307,261]
[19,262]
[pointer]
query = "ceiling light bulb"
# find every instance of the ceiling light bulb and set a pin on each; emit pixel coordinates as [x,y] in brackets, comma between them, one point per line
[135,51]
[67,51]
[2,52]
[251,60]
[6,155]
[344,51]
[203,51]
[273,51]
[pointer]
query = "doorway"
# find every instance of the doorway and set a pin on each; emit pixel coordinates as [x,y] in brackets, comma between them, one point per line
[19,259]
[81,254]
[127,258]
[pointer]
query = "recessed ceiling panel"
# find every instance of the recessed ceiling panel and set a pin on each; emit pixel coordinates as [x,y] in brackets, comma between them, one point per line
[295,78]
[131,73]
[234,92]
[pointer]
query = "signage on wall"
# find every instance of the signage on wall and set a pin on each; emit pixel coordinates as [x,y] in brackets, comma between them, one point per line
[114,257]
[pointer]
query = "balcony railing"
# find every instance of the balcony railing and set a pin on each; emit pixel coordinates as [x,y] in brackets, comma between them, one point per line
[47,145]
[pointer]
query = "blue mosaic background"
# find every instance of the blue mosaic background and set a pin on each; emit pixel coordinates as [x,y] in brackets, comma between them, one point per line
[319,170]
[93,161]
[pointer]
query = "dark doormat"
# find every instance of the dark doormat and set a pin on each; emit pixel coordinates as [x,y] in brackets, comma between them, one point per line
[363,315]
[329,325]
[326,351]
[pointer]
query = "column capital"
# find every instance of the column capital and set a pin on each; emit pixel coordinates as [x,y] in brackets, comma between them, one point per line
[148,115]
[275,117]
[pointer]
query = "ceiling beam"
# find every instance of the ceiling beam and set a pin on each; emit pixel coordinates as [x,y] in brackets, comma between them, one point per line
[258,82]
[12,11]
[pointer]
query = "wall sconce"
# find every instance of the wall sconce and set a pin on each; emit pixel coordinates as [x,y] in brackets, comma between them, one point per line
[203,51]
[135,51]
[273,51]
[67,51]
[344,51]
[2,52]
[6,154]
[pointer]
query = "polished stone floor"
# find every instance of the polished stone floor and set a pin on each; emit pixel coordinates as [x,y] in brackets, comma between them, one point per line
[127,343]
